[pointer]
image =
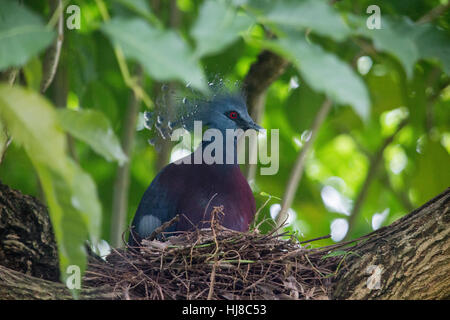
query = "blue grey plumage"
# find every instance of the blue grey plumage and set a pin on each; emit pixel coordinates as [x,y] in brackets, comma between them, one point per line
[192,190]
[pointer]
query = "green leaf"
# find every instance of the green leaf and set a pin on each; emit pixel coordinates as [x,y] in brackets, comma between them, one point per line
[434,43]
[324,72]
[70,193]
[395,37]
[68,225]
[33,123]
[142,8]
[316,15]
[22,34]
[93,128]
[85,199]
[407,41]
[217,26]
[33,73]
[139,6]
[163,54]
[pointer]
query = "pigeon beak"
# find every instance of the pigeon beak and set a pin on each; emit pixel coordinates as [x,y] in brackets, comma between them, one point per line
[257,127]
[254,126]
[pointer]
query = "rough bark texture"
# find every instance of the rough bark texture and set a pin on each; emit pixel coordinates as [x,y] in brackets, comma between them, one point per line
[27,243]
[262,73]
[409,259]
[18,286]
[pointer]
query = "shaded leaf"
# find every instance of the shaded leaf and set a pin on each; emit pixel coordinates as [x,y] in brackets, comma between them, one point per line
[434,43]
[22,34]
[324,72]
[217,26]
[395,37]
[139,6]
[142,8]
[163,54]
[407,41]
[316,15]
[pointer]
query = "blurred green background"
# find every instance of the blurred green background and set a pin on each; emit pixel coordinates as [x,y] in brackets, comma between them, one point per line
[377,80]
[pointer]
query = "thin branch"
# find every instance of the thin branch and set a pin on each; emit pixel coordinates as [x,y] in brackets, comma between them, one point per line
[5,147]
[9,75]
[122,180]
[297,171]
[371,173]
[53,53]
[434,13]
[257,114]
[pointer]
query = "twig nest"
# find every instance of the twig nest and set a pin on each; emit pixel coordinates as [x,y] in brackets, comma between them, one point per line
[217,263]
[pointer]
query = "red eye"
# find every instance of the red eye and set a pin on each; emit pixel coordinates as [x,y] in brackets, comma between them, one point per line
[233,115]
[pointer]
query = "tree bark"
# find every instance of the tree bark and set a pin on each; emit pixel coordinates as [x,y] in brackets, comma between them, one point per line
[15,285]
[410,259]
[407,260]
[27,242]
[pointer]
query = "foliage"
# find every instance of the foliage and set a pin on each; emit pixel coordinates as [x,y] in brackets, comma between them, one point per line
[67,138]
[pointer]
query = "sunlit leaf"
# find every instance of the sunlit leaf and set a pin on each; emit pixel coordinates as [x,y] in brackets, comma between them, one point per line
[22,34]
[217,26]
[33,123]
[84,198]
[70,193]
[93,128]
[33,73]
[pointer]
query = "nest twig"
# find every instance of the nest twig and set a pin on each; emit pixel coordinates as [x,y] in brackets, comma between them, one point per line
[218,263]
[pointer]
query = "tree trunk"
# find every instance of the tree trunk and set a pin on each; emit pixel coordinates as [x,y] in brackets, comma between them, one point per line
[406,260]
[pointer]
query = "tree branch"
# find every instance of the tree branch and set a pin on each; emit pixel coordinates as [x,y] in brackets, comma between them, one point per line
[122,180]
[371,173]
[267,69]
[434,13]
[53,53]
[261,75]
[410,255]
[297,171]
[18,286]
